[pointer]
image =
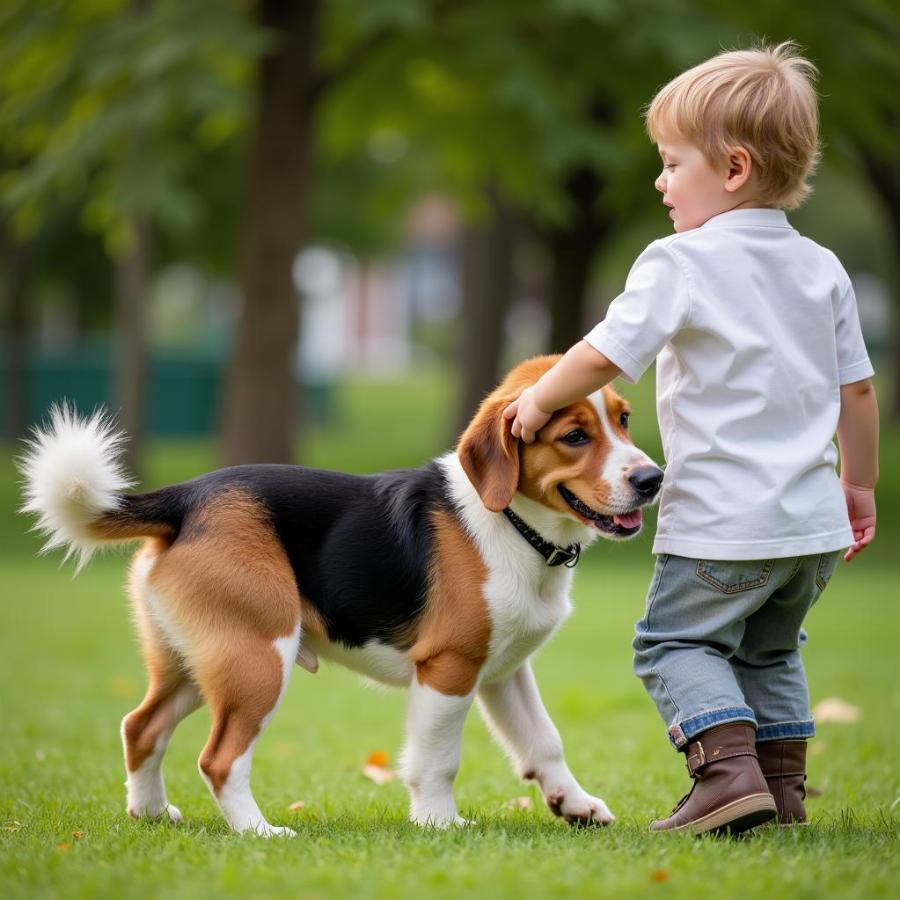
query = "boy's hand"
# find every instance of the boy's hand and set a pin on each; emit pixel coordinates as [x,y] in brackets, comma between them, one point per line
[861,507]
[529,417]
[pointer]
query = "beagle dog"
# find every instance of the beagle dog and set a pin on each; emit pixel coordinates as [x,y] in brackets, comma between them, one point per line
[443,580]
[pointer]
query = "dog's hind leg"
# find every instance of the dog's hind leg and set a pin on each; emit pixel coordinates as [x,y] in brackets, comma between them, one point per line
[171,696]
[145,734]
[243,686]
[228,598]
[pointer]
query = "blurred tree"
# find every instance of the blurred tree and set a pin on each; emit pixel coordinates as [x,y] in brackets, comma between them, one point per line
[17,260]
[260,403]
[487,283]
[526,97]
[95,99]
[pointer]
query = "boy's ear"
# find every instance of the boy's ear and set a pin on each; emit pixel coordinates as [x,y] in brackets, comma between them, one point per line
[739,168]
[489,454]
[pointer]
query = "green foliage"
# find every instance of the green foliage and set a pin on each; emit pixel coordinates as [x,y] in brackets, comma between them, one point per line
[119,106]
[113,103]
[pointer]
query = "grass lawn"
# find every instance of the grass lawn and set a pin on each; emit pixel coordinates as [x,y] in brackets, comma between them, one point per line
[69,670]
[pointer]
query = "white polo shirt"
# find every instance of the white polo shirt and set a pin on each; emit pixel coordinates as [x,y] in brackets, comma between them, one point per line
[754,329]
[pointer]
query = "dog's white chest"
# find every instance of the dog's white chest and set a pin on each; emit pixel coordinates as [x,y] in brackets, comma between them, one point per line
[525,612]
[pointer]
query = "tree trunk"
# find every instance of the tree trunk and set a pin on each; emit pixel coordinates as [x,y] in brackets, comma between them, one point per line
[884,179]
[260,411]
[487,281]
[132,269]
[572,250]
[17,265]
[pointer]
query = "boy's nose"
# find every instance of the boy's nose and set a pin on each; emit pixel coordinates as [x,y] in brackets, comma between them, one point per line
[660,183]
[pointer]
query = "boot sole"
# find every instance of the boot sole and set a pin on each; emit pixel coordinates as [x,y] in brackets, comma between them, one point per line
[735,817]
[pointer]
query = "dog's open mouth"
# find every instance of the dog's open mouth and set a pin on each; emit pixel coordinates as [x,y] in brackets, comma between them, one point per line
[620,525]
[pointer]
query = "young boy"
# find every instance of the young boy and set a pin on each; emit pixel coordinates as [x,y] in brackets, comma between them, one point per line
[760,360]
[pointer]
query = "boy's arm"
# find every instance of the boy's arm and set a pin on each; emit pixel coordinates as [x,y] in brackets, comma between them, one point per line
[858,441]
[580,372]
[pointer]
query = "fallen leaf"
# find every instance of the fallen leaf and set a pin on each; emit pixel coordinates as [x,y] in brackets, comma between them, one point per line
[378,774]
[12,825]
[77,834]
[297,805]
[63,847]
[519,803]
[833,709]
[813,791]
[658,876]
[378,758]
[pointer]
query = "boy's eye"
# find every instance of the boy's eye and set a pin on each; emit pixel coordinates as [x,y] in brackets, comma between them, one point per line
[623,419]
[669,166]
[578,436]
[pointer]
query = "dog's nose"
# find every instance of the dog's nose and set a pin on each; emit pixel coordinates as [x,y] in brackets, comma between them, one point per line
[646,480]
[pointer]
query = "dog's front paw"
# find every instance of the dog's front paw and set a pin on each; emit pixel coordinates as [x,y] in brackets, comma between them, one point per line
[264,830]
[439,820]
[167,813]
[578,807]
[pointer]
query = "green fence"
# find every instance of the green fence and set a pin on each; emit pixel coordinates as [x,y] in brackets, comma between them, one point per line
[182,391]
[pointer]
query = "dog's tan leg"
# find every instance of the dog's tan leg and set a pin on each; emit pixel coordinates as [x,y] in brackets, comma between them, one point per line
[518,719]
[226,597]
[145,734]
[171,696]
[242,685]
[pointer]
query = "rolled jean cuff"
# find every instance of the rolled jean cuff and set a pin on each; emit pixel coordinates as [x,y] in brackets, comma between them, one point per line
[681,733]
[781,731]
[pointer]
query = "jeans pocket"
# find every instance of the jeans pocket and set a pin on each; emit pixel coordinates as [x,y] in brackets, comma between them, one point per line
[732,577]
[825,569]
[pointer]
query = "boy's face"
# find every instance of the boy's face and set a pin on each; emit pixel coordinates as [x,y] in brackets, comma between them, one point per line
[690,186]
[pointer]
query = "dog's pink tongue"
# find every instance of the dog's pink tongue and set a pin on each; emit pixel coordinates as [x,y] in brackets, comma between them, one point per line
[629,520]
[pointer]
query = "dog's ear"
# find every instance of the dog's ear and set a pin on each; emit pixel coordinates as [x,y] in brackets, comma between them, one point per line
[490,454]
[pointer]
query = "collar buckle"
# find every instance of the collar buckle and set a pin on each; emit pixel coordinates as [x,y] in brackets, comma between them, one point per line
[564,556]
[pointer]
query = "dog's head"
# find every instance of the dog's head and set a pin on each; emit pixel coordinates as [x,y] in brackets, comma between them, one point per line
[582,463]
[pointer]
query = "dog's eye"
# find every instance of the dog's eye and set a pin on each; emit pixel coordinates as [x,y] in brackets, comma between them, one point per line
[575,437]
[623,419]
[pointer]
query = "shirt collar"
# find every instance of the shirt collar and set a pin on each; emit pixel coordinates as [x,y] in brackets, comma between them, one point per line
[767,218]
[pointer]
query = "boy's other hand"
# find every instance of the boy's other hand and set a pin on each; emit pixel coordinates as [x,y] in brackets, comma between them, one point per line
[528,417]
[861,508]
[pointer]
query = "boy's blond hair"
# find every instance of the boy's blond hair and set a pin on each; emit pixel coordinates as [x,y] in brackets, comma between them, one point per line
[763,100]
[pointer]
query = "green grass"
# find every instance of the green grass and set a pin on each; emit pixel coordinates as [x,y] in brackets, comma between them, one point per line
[69,670]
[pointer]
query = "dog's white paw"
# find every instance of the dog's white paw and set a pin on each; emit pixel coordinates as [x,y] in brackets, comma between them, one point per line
[441,821]
[578,807]
[264,829]
[168,812]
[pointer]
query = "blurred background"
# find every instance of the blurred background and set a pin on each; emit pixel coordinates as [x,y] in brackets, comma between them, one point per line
[319,232]
[243,224]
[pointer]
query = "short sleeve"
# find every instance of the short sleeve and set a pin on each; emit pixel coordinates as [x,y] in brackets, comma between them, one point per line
[653,307]
[852,357]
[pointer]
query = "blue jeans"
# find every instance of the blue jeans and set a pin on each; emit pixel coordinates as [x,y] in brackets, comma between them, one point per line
[720,642]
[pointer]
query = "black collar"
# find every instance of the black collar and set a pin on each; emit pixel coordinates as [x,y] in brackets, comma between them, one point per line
[555,556]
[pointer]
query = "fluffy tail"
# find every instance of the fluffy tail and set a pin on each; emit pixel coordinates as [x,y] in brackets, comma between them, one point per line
[73,479]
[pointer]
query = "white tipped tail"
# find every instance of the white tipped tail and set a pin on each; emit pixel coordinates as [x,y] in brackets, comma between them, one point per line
[72,477]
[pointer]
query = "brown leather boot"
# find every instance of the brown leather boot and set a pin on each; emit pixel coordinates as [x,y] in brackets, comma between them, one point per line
[729,792]
[783,764]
